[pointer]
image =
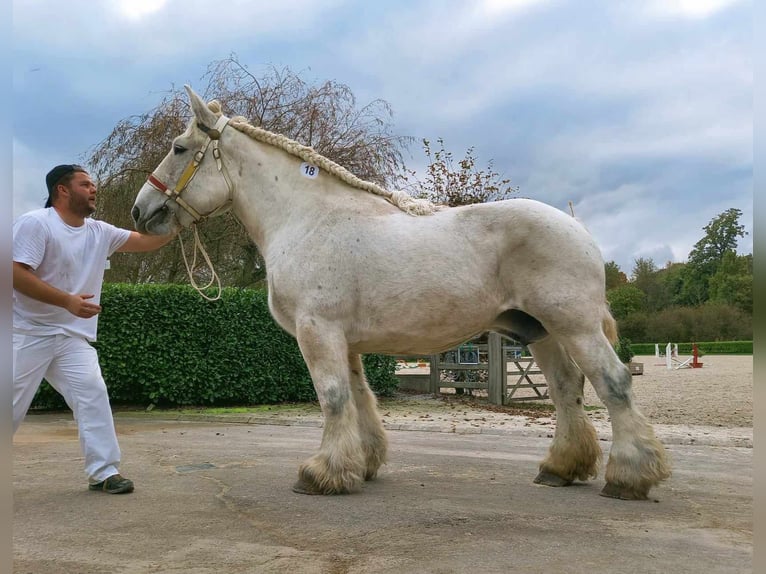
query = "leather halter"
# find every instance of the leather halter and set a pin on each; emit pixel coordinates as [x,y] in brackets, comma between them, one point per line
[213,135]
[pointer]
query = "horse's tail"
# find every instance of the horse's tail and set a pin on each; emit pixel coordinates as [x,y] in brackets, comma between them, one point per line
[609,326]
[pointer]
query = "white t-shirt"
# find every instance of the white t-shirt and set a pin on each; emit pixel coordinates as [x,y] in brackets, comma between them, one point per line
[72,259]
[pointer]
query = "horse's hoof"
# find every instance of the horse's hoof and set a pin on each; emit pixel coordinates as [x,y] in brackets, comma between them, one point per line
[303,487]
[549,479]
[622,492]
[370,475]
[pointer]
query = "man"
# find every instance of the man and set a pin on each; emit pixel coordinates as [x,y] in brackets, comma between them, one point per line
[59,257]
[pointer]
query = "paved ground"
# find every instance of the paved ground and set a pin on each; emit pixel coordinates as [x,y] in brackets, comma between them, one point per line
[214,497]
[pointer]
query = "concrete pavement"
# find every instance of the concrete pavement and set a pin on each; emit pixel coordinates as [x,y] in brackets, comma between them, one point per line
[214,497]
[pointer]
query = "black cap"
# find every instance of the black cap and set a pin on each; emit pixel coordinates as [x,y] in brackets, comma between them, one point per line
[55,175]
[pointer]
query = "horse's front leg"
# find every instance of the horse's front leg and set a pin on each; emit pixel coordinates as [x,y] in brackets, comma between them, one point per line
[339,466]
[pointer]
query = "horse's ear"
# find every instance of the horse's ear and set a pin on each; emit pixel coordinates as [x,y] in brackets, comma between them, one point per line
[203,114]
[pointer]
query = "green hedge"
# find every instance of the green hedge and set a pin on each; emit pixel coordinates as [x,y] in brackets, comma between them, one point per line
[166,345]
[705,348]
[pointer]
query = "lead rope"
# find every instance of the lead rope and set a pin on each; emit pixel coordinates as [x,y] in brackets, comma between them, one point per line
[189,269]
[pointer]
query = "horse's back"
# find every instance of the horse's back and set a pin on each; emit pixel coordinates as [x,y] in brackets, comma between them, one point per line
[531,231]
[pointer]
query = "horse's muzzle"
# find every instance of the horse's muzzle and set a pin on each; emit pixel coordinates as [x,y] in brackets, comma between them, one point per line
[151,222]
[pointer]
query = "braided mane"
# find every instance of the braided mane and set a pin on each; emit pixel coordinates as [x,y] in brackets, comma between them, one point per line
[400,199]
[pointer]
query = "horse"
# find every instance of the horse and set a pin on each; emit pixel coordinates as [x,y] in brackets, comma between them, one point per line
[354,268]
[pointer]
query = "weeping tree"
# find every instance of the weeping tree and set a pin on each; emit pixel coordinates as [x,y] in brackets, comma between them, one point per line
[325,116]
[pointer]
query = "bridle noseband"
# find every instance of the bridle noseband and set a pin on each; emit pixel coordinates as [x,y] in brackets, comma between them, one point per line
[213,135]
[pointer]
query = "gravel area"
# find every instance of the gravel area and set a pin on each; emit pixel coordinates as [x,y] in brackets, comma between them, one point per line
[708,405]
[711,405]
[718,394]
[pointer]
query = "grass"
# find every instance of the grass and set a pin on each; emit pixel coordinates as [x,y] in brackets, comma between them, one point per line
[286,408]
[396,403]
[289,408]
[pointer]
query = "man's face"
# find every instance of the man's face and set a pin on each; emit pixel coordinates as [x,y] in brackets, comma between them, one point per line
[82,194]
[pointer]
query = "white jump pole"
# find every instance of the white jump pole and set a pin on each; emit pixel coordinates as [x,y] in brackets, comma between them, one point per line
[657,350]
[669,357]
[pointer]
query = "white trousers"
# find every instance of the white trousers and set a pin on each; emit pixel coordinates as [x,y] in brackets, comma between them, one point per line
[70,365]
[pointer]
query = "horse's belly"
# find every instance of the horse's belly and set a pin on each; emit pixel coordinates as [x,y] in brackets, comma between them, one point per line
[416,334]
[403,346]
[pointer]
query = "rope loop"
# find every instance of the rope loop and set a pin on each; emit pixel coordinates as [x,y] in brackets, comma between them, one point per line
[198,246]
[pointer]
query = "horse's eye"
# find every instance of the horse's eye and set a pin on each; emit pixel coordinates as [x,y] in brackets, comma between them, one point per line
[178,149]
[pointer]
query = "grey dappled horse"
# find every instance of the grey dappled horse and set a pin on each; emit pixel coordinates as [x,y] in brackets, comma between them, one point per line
[346,276]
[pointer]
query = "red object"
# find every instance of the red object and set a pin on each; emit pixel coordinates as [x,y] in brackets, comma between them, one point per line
[695,364]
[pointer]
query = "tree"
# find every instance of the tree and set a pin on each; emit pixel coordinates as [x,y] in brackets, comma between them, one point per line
[720,238]
[708,298]
[647,277]
[461,184]
[325,116]
[625,300]
[643,274]
[671,280]
[732,283]
[708,322]
[707,255]
[624,350]
[614,277]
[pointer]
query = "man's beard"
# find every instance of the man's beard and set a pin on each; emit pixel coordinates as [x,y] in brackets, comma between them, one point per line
[80,205]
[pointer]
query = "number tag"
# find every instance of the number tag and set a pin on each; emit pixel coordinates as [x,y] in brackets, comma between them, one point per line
[309,171]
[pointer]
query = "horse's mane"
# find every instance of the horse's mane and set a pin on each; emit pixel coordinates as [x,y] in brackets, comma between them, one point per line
[401,199]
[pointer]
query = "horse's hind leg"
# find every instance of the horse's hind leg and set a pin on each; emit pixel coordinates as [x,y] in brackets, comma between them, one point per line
[339,466]
[575,453]
[637,460]
[371,432]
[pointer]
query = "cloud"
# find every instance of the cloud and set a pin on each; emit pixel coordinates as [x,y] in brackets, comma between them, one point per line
[638,112]
[657,221]
[29,170]
[645,124]
[695,9]
[493,9]
[139,9]
[176,29]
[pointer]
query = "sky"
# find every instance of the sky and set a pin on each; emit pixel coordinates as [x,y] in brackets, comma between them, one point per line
[639,113]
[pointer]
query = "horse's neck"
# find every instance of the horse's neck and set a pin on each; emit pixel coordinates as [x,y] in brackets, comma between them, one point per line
[275,197]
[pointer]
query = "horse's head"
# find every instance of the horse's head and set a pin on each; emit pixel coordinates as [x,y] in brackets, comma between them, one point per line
[191,183]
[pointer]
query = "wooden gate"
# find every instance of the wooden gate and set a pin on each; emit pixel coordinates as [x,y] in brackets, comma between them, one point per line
[505,372]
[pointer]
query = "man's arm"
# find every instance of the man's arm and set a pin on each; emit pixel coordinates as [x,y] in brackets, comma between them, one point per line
[141,242]
[26,282]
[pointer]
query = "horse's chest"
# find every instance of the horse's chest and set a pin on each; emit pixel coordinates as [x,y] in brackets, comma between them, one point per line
[282,308]
[309,295]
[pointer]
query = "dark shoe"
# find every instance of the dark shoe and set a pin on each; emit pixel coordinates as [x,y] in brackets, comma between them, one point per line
[115,484]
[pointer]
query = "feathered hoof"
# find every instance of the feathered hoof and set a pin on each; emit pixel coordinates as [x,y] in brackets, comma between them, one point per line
[307,483]
[550,479]
[303,487]
[371,474]
[612,490]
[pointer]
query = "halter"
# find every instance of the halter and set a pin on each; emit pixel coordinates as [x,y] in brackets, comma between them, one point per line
[213,135]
